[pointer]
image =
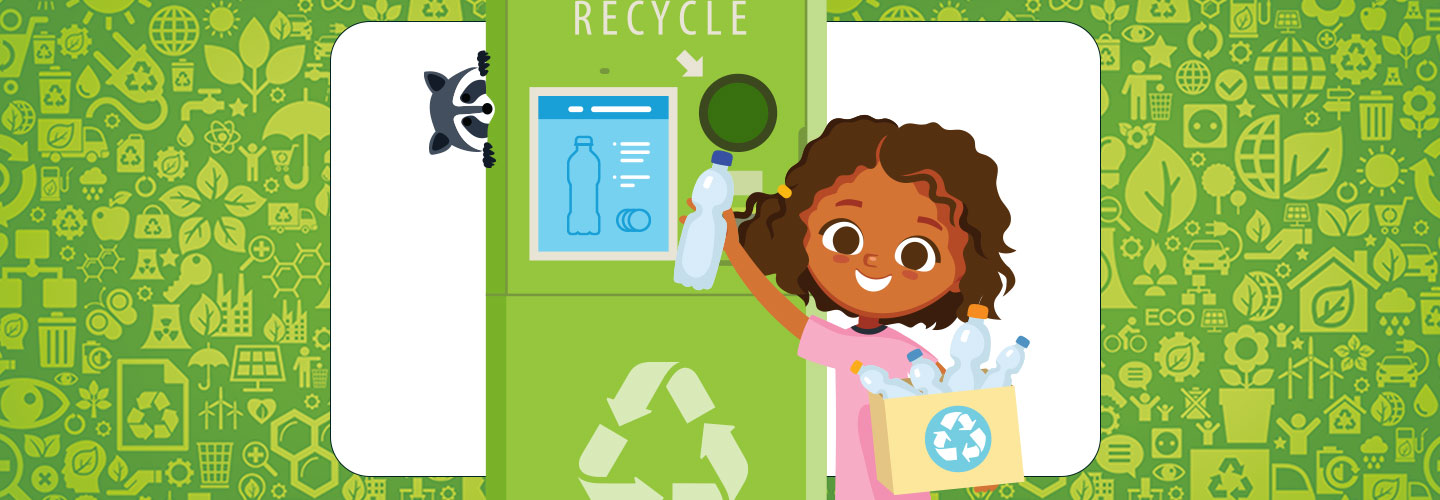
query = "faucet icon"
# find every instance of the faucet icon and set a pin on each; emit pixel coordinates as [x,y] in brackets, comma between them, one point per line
[208,105]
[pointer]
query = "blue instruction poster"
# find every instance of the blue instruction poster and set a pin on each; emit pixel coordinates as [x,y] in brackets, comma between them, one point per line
[602,173]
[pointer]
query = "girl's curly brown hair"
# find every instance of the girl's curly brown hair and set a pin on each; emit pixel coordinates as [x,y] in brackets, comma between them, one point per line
[772,231]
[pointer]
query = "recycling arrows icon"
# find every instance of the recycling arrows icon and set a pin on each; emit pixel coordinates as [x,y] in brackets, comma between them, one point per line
[631,402]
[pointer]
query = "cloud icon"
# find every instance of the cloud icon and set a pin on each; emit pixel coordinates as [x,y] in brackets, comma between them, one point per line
[1395,301]
[1374,446]
[93,177]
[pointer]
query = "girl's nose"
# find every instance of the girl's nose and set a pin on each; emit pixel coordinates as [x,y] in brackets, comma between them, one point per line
[871,259]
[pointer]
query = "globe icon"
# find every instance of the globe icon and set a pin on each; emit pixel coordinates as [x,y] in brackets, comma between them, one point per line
[902,13]
[174,30]
[1257,156]
[958,438]
[1259,307]
[1289,73]
[18,117]
[1388,409]
[1193,77]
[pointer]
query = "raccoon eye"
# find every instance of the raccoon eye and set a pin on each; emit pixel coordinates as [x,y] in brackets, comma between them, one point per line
[467,121]
[466,98]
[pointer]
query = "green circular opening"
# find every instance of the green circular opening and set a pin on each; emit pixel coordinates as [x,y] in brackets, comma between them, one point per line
[737,112]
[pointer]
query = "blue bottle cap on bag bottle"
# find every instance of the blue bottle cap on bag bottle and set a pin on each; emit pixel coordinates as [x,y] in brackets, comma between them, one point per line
[1022,341]
[721,157]
[914,355]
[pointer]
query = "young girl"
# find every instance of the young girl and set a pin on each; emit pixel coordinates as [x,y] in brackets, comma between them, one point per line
[886,223]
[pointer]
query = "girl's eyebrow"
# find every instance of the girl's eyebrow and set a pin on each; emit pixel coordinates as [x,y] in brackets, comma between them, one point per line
[842,203]
[932,222]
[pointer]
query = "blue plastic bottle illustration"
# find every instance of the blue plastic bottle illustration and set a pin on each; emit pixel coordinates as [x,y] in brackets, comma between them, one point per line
[1007,364]
[582,170]
[878,381]
[924,374]
[969,348]
[703,237]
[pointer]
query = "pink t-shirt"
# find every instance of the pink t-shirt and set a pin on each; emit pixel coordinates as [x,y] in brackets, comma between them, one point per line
[836,347]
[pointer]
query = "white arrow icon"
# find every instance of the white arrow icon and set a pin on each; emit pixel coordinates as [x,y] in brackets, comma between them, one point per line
[693,67]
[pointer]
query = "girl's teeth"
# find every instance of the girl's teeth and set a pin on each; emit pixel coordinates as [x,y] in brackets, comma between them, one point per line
[871,284]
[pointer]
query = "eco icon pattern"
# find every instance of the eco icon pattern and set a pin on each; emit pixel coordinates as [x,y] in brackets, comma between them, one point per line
[1267,201]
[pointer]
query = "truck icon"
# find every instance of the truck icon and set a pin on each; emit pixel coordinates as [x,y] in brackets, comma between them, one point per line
[290,217]
[67,138]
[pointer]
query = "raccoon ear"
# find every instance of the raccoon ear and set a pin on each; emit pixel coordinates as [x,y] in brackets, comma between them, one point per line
[435,81]
[439,143]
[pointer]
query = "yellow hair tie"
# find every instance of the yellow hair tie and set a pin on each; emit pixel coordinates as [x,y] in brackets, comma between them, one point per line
[784,191]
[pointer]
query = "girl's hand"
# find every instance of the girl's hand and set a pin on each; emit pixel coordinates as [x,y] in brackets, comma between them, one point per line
[732,230]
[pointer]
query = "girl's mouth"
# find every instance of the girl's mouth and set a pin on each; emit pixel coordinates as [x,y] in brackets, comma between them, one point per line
[871,284]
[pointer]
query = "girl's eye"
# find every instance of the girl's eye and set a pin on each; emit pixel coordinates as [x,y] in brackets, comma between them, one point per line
[842,236]
[916,253]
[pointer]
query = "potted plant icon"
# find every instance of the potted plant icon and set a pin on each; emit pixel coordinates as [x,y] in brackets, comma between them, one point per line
[1246,407]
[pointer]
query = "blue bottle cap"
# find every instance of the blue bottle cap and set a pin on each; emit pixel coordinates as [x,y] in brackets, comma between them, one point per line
[721,157]
[914,355]
[1022,341]
[583,140]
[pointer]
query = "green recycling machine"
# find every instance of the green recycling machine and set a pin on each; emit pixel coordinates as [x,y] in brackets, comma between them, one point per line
[607,379]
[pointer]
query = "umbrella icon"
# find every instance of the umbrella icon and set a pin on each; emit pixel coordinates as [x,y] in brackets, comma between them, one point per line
[208,358]
[302,120]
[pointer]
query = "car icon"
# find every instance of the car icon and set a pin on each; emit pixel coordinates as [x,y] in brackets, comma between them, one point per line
[1207,255]
[1396,369]
[1419,261]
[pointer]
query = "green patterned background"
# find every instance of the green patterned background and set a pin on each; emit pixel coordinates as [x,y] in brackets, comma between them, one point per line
[1269,309]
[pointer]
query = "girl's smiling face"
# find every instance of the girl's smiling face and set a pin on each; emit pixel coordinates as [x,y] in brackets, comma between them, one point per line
[882,248]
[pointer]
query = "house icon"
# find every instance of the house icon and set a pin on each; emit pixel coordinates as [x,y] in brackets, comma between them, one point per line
[1334,293]
[1344,416]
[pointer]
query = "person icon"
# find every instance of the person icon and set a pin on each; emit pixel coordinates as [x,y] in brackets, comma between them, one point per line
[1137,86]
[1298,430]
[83,462]
[1145,405]
[303,362]
[252,154]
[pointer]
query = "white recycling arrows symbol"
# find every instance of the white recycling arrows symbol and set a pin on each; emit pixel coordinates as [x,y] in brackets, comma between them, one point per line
[717,442]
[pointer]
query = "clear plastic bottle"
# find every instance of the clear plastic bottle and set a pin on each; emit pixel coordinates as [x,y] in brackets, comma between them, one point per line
[582,170]
[876,380]
[1007,364]
[970,347]
[703,237]
[924,374]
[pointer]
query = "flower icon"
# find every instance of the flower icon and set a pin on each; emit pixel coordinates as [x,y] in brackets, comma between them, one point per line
[1419,105]
[1246,348]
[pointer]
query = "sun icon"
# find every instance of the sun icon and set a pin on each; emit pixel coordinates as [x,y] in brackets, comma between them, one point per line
[949,11]
[108,8]
[1382,171]
[221,18]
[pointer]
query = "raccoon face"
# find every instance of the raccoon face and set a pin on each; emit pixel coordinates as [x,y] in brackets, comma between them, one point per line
[460,110]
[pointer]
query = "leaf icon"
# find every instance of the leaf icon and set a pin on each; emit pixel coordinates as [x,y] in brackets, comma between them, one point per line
[1332,306]
[1385,489]
[1311,164]
[59,136]
[1390,261]
[254,45]
[1160,191]
[1258,228]
[1082,489]
[13,325]
[1178,360]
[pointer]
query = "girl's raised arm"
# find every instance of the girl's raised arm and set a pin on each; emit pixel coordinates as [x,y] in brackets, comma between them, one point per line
[774,301]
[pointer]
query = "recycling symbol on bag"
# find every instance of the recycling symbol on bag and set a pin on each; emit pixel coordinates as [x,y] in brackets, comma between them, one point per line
[717,442]
[958,438]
